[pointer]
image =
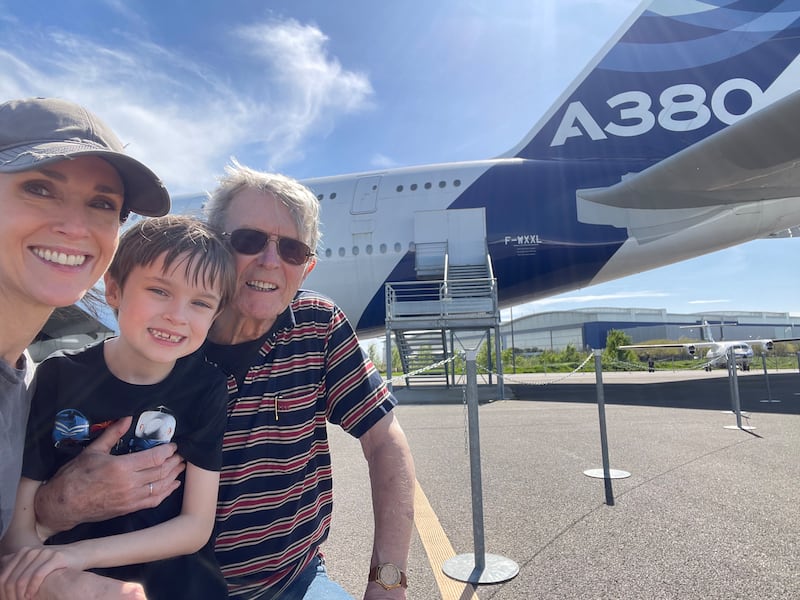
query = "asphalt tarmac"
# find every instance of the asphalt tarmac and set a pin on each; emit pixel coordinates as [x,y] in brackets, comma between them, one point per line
[708,511]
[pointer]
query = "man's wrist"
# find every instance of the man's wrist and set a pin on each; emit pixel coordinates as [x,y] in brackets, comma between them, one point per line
[47,520]
[389,576]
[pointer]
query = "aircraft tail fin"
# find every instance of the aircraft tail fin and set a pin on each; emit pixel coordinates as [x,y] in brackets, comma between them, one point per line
[707,331]
[708,336]
[674,73]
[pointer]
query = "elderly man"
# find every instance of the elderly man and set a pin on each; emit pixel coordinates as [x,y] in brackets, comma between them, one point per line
[293,363]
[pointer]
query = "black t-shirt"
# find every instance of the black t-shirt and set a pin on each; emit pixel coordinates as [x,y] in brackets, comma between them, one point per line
[77,397]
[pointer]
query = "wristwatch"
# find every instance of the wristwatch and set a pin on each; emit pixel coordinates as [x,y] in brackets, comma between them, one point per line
[388,576]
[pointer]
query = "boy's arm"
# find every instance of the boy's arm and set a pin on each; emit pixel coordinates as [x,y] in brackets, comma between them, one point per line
[184,534]
[22,529]
[25,571]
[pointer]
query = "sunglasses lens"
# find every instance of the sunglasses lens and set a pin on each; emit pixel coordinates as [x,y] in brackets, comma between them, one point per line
[252,241]
[292,251]
[248,241]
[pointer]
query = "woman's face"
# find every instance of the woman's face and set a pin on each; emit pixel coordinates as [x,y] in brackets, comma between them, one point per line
[59,230]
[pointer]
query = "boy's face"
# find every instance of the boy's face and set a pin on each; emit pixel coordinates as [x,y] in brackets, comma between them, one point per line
[162,316]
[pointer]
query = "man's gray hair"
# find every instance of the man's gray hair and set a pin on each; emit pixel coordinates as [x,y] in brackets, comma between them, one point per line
[301,202]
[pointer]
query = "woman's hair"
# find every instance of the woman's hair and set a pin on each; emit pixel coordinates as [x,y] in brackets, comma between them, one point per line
[206,258]
[301,202]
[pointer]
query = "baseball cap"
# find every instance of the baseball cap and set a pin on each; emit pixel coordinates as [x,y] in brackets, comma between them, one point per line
[38,131]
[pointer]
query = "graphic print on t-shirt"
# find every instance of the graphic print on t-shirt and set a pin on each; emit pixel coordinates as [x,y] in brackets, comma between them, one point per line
[73,431]
[154,427]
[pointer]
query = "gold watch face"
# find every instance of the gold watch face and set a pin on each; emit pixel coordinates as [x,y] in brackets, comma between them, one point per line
[389,575]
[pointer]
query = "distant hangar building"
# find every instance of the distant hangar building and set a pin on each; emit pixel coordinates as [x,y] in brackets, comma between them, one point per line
[587,328]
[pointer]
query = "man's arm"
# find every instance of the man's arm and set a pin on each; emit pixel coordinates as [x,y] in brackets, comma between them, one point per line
[392,478]
[95,486]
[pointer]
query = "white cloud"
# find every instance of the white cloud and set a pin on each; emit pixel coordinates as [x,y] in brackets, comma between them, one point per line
[599,297]
[310,87]
[180,116]
[381,161]
[720,301]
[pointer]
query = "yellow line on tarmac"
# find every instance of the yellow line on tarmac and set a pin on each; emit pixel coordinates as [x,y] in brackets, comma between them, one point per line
[438,549]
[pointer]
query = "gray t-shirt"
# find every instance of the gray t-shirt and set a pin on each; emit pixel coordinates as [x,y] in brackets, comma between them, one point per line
[14,407]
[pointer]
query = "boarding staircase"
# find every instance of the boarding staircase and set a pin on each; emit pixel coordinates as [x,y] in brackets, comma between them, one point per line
[445,298]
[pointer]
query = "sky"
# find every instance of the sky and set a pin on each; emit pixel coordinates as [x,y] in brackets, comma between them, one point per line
[314,88]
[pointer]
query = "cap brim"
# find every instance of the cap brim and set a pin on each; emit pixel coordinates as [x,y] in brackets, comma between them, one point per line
[145,194]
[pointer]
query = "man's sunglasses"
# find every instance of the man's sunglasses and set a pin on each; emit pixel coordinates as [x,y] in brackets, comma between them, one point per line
[253,241]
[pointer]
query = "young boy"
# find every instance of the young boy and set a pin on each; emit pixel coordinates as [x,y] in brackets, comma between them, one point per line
[169,279]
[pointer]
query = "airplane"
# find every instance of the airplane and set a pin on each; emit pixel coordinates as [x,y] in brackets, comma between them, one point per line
[718,351]
[679,138]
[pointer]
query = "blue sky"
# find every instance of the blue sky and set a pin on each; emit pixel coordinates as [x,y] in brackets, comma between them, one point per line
[314,88]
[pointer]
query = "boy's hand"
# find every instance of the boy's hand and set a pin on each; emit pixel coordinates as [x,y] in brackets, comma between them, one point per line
[96,486]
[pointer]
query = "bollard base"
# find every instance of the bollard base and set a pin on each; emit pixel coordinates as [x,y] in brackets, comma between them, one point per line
[743,427]
[770,400]
[612,473]
[496,569]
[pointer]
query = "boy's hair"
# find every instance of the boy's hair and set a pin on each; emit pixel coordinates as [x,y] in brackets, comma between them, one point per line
[206,257]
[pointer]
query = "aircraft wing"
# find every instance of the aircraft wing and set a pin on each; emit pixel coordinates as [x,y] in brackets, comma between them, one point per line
[789,232]
[632,346]
[688,345]
[754,159]
[767,344]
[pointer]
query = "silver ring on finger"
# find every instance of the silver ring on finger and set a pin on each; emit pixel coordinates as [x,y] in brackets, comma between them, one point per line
[150,485]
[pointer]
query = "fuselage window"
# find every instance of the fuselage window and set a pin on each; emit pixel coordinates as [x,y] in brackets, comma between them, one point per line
[427,185]
[328,252]
[333,195]
[319,197]
[457,183]
[397,246]
[413,187]
[341,251]
[369,248]
[442,184]
[399,188]
[383,248]
[355,250]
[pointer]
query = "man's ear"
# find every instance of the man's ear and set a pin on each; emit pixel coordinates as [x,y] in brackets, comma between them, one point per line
[113,291]
[312,262]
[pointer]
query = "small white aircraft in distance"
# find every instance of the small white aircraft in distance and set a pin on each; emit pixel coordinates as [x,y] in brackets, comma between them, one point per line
[679,138]
[717,354]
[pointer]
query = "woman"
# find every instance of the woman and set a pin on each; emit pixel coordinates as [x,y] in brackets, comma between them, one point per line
[65,187]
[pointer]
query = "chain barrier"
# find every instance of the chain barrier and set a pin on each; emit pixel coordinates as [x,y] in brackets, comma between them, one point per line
[400,378]
[549,381]
[620,365]
[628,366]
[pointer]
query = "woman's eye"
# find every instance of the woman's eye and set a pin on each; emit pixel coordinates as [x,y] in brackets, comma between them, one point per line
[37,188]
[105,204]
